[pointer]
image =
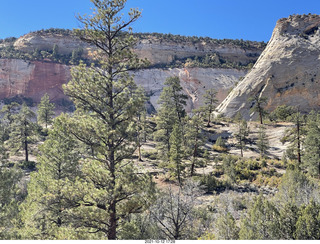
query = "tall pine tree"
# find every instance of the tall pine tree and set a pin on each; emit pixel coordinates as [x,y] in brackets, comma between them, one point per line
[107,102]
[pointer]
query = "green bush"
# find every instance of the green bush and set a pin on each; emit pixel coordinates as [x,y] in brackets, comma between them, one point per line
[150,154]
[28,165]
[208,181]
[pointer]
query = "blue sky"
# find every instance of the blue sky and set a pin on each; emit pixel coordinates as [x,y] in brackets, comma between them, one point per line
[234,19]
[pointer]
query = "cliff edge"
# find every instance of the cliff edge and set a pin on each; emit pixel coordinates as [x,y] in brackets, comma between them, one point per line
[287,72]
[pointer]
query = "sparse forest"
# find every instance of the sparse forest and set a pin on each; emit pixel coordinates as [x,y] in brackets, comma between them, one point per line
[111,171]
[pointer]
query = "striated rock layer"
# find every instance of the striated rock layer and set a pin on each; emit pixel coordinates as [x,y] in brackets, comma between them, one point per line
[33,79]
[155,49]
[287,72]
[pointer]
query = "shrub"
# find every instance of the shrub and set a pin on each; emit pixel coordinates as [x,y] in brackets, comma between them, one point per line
[150,154]
[28,165]
[220,145]
[209,182]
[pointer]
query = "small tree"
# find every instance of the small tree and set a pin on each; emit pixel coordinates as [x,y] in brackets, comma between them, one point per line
[257,106]
[23,131]
[195,140]
[226,227]
[262,142]
[262,221]
[229,167]
[210,102]
[45,111]
[10,198]
[295,136]
[173,211]
[308,223]
[242,135]
[176,150]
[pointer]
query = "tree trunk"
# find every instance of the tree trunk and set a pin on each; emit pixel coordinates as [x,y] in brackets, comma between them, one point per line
[260,115]
[209,118]
[112,231]
[194,159]
[26,142]
[299,143]
[139,153]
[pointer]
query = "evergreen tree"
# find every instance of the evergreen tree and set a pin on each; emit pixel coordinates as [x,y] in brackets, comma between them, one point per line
[176,151]
[55,52]
[295,137]
[210,101]
[257,106]
[262,222]
[107,102]
[262,142]
[9,111]
[308,223]
[45,111]
[194,140]
[23,131]
[312,147]
[229,167]
[296,188]
[45,211]
[171,112]
[289,214]
[10,199]
[242,135]
[226,227]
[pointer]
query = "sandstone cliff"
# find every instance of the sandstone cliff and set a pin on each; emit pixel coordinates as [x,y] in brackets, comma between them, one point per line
[287,72]
[157,48]
[33,78]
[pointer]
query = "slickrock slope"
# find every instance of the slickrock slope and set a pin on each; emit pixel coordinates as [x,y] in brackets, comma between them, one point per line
[287,72]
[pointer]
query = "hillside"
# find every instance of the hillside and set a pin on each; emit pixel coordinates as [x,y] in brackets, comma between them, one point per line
[287,72]
[40,62]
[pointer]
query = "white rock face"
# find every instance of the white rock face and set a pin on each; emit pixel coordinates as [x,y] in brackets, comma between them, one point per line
[154,49]
[287,72]
[194,81]
[35,78]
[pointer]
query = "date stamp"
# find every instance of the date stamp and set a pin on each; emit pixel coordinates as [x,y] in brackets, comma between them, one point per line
[160,241]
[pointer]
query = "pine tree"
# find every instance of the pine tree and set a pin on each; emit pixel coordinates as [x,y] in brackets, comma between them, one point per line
[171,112]
[23,131]
[312,147]
[262,142]
[257,106]
[45,212]
[262,221]
[226,228]
[45,111]
[194,140]
[295,137]
[307,226]
[176,151]
[107,102]
[242,135]
[210,101]
[9,202]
